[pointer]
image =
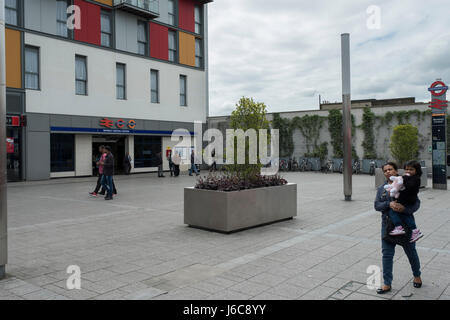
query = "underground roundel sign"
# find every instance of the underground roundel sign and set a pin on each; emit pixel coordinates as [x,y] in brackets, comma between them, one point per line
[438,88]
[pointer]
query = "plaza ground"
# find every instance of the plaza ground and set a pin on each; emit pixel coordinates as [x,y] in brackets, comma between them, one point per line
[137,247]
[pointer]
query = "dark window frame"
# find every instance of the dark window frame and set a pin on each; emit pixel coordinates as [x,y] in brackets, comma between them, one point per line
[199,23]
[147,41]
[110,34]
[38,73]
[175,14]
[85,81]
[53,154]
[175,51]
[19,13]
[197,56]
[124,86]
[184,78]
[157,86]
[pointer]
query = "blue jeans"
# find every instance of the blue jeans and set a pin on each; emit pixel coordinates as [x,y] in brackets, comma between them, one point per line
[399,218]
[107,183]
[388,250]
[193,168]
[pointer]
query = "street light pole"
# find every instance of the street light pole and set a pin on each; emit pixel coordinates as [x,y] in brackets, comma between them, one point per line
[3,208]
[346,115]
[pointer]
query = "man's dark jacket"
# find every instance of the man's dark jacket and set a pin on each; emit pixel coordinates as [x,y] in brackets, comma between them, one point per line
[108,167]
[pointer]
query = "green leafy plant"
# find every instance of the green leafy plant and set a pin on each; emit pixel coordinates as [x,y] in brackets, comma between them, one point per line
[285,131]
[248,115]
[404,144]
[367,125]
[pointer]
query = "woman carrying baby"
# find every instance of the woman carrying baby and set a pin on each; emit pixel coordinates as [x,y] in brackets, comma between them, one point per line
[405,192]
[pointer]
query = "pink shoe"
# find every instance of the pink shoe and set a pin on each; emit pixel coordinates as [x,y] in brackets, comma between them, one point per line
[397,231]
[416,235]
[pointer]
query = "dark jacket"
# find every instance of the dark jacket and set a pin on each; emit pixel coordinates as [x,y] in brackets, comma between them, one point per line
[108,168]
[192,158]
[382,202]
[409,195]
[158,159]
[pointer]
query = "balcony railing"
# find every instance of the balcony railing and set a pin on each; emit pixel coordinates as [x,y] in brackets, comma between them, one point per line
[145,8]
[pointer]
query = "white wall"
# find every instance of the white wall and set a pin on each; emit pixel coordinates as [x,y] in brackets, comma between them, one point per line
[57,94]
[83,155]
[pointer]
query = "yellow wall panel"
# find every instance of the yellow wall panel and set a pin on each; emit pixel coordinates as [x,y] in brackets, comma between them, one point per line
[187,49]
[13,59]
[107,2]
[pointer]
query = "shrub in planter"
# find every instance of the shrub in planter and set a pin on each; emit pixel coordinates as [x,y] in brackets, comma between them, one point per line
[234,182]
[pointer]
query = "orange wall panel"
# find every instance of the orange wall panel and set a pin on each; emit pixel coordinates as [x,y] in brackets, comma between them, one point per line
[13,59]
[187,49]
[107,2]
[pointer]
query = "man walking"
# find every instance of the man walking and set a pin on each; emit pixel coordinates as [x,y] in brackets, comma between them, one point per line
[193,166]
[171,165]
[108,172]
[127,163]
[160,165]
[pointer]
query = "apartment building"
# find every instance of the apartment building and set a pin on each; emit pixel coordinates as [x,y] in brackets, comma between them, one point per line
[82,73]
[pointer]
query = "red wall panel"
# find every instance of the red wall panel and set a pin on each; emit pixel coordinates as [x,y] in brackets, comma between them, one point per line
[90,23]
[186,15]
[159,41]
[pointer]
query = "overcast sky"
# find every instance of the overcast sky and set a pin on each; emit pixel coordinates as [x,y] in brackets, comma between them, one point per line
[285,53]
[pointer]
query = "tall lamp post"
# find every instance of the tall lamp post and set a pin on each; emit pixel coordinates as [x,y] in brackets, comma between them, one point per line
[3,208]
[346,115]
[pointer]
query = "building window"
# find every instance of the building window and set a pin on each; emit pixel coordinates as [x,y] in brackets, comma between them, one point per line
[120,84]
[142,38]
[32,68]
[81,75]
[106,28]
[12,12]
[62,154]
[145,150]
[198,19]
[183,90]
[198,53]
[155,86]
[61,18]
[172,13]
[172,46]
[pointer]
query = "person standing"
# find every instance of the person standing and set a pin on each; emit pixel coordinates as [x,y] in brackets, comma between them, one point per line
[171,165]
[100,159]
[160,165]
[108,172]
[176,164]
[127,163]
[214,165]
[383,203]
[193,166]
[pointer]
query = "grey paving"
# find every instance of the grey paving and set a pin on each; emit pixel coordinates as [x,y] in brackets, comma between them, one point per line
[137,247]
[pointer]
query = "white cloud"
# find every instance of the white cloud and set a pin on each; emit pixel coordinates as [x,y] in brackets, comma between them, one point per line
[285,53]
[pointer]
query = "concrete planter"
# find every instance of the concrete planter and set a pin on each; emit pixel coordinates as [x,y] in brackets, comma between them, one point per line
[229,212]
[380,179]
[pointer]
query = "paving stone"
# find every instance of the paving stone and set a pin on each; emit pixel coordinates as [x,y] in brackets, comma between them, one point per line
[287,290]
[249,287]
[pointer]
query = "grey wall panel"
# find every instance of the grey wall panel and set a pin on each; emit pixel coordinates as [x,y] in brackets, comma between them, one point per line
[126,31]
[60,121]
[32,12]
[48,16]
[121,30]
[14,102]
[38,122]
[152,125]
[163,11]
[81,122]
[38,155]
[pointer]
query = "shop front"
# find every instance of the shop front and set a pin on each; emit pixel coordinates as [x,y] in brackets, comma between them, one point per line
[13,147]
[73,144]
